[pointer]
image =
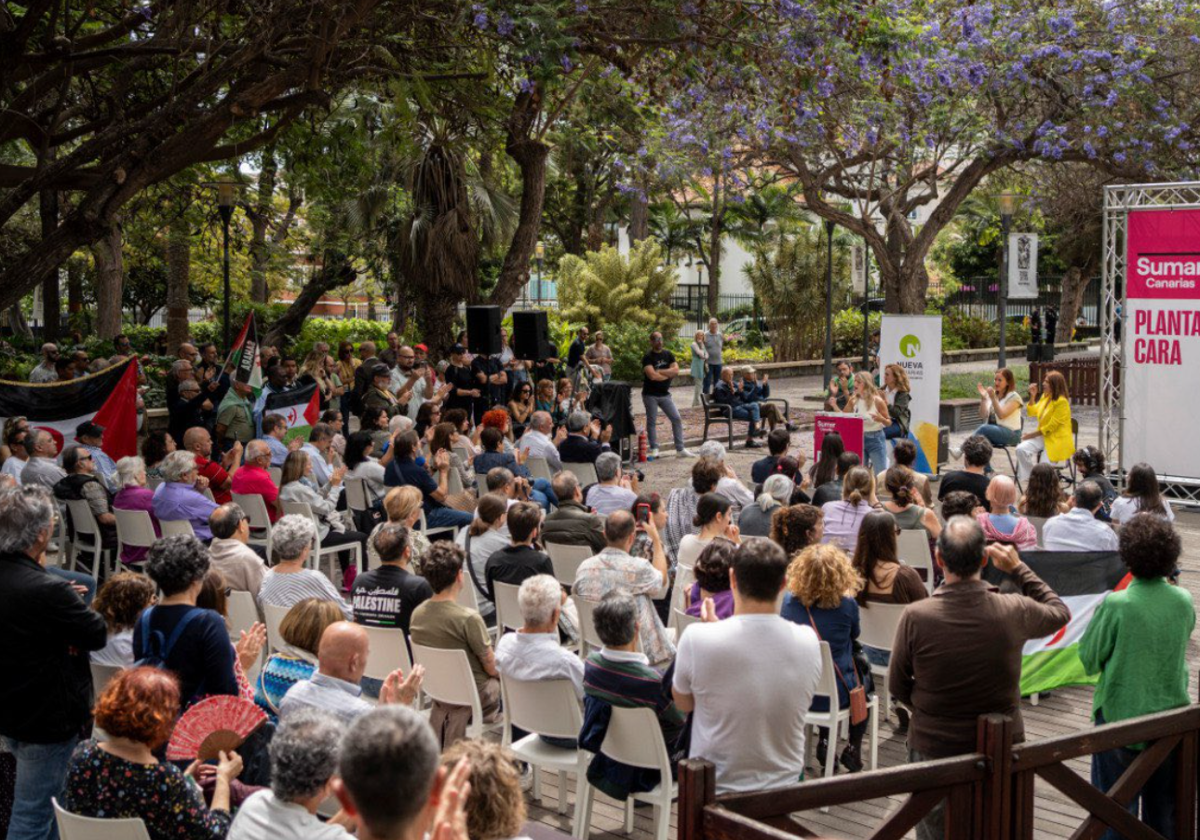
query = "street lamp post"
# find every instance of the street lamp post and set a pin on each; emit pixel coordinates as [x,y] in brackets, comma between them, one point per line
[225,199]
[1007,201]
[827,370]
[866,309]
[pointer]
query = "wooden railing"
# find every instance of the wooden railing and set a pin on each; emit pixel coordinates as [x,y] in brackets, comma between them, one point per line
[989,793]
[1082,375]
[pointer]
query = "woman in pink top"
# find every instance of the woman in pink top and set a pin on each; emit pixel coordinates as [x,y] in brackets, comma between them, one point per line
[844,518]
[134,495]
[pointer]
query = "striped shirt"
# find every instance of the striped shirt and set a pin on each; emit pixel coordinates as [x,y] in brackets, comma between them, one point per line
[290,588]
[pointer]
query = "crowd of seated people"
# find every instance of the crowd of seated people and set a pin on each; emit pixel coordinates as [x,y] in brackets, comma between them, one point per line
[745,671]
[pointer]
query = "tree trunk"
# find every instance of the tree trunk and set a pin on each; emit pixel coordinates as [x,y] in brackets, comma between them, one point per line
[260,219]
[715,232]
[110,282]
[639,218]
[17,323]
[179,257]
[75,272]
[336,271]
[51,305]
[1074,284]
[530,155]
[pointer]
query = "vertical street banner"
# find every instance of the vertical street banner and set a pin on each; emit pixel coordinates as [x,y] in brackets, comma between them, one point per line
[846,425]
[1022,266]
[1161,340]
[858,268]
[914,342]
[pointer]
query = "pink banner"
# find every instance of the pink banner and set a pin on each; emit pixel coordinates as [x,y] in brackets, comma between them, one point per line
[848,426]
[1163,255]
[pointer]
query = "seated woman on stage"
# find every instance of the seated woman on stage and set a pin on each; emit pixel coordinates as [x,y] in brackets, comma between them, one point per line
[1001,405]
[1052,408]
[898,394]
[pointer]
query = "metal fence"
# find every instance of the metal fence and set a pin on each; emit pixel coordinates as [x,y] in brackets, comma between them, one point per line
[692,300]
[980,297]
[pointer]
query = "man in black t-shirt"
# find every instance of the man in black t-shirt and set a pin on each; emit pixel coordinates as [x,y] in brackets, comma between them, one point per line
[658,369]
[513,563]
[386,596]
[977,457]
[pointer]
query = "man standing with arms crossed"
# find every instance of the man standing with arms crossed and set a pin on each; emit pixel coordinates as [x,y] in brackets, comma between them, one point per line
[658,369]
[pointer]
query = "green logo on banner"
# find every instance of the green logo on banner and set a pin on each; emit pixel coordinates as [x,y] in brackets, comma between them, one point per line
[910,346]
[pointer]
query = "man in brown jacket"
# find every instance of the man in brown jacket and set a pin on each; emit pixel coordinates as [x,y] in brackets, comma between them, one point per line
[957,655]
[572,523]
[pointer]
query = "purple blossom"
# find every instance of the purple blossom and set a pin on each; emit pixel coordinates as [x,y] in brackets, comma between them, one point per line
[1119,157]
[481,18]
[505,25]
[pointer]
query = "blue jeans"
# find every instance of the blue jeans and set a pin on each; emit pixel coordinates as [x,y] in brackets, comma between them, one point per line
[76,577]
[443,517]
[998,435]
[543,494]
[894,431]
[1157,798]
[751,412]
[41,774]
[712,375]
[875,450]
[876,656]
[652,405]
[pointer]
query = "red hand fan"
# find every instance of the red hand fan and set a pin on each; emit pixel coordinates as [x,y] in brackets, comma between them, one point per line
[222,722]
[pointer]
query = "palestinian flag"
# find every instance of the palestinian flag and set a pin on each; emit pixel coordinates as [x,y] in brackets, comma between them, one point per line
[1083,579]
[107,398]
[300,407]
[245,358]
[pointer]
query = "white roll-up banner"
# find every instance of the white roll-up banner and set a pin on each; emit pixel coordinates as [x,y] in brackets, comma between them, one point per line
[858,268]
[914,342]
[1022,266]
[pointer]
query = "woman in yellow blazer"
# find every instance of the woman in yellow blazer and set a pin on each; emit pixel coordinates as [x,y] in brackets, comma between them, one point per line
[1053,434]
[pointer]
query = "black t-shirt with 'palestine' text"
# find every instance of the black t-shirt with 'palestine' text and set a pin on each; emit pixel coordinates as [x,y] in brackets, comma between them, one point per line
[386,596]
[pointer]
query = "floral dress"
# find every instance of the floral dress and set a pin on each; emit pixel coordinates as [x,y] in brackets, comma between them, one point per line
[169,803]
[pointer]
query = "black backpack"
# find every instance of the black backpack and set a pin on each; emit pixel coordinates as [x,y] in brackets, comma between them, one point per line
[157,646]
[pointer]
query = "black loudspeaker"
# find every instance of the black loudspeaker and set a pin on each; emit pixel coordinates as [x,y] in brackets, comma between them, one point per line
[1039,353]
[483,330]
[531,336]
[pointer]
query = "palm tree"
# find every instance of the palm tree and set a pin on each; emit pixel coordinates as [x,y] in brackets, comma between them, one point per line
[772,212]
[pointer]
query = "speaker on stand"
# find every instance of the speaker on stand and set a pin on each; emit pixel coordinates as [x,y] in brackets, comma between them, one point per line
[483,330]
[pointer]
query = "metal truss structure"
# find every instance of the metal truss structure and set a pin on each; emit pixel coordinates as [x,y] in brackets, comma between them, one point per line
[1118,201]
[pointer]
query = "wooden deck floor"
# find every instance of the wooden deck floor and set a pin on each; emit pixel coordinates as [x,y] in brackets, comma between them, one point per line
[1065,711]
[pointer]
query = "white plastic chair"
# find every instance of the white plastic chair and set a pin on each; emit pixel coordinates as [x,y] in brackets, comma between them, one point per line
[388,651]
[255,508]
[538,468]
[837,718]
[74,827]
[877,629]
[567,559]
[587,626]
[480,484]
[102,675]
[172,527]
[912,548]
[357,498]
[682,622]
[429,532]
[135,529]
[1038,523]
[273,618]
[684,578]
[454,483]
[276,474]
[84,524]
[586,473]
[508,609]
[549,708]
[319,550]
[635,738]
[449,680]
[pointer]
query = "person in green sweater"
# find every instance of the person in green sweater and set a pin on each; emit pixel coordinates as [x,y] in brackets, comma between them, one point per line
[1137,642]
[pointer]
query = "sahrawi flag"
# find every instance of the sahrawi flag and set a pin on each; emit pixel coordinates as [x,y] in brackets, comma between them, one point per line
[108,398]
[244,356]
[1083,579]
[300,407]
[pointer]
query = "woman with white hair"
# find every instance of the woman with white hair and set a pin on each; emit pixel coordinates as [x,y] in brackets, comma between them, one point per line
[134,495]
[181,495]
[297,484]
[288,583]
[755,520]
[730,486]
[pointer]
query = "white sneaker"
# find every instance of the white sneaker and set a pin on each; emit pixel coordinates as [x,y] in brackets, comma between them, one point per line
[685,453]
[956,452]
[653,453]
